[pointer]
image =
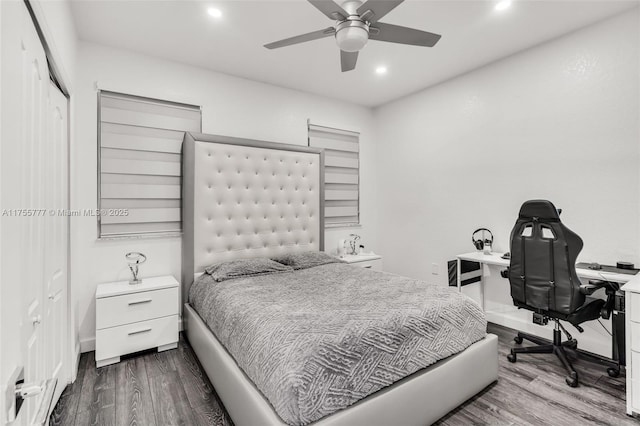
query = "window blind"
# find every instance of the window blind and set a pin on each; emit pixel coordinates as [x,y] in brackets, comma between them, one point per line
[341,173]
[140,141]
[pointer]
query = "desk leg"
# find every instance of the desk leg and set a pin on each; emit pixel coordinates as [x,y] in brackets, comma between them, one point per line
[482,282]
[458,279]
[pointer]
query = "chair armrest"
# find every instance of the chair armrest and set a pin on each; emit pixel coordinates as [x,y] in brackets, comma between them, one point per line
[595,285]
[609,288]
[591,287]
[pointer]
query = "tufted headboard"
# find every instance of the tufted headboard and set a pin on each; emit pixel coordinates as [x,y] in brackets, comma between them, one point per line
[245,198]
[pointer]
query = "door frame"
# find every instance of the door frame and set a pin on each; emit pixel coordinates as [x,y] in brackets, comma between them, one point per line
[62,79]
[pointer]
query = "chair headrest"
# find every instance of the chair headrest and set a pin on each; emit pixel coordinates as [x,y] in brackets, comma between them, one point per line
[542,209]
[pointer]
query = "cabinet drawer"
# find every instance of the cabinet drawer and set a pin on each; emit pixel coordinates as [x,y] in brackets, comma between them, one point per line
[633,388]
[635,362]
[116,341]
[634,336]
[635,398]
[634,306]
[129,308]
[376,264]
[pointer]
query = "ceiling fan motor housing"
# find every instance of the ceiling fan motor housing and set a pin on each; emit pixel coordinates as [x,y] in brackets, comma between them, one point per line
[350,6]
[352,35]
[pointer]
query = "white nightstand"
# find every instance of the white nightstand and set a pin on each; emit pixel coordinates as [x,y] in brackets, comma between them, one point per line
[131,318]
[370,261]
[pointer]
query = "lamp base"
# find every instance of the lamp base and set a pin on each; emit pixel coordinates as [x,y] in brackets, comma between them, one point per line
[135,282]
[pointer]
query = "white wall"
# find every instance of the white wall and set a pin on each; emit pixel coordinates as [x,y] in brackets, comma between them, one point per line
[230,106]
[559,121]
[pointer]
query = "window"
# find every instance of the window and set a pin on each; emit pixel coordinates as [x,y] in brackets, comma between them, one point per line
[139,142]
[341,174]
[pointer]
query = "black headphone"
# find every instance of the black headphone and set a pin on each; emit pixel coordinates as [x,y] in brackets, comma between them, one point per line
[479,244]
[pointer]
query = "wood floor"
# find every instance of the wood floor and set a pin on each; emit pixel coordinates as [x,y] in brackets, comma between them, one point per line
[533,391]
[166,388]
[170,388]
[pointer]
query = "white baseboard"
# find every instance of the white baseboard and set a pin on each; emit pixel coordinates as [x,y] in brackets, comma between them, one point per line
[76,362]
[88,344]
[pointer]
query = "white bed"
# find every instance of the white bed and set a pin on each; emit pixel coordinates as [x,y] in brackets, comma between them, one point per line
[244,198]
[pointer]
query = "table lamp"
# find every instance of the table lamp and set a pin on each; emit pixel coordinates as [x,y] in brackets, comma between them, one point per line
[135,259]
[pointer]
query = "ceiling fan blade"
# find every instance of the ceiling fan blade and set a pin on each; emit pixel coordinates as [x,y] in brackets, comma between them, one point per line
[330,9]
[377,9]
[302,38]
[348,60]
[403,35]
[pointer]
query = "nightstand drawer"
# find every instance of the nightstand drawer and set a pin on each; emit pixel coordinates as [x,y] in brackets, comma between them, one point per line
[115,341]
[128,308]
[376,265]
[366,261]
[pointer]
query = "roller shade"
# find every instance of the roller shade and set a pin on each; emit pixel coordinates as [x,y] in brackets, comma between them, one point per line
[341,173]
[140,140]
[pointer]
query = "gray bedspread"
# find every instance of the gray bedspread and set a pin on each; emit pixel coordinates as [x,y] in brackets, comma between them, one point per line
[317,340]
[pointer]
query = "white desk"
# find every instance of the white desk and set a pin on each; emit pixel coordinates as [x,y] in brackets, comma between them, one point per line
[495,259]
[632,334]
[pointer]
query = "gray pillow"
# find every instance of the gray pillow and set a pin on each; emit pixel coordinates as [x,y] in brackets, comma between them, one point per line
[245,267]
[307,259]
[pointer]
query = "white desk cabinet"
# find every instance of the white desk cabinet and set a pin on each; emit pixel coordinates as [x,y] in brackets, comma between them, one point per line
[132,318]
[632,318]
[369,261]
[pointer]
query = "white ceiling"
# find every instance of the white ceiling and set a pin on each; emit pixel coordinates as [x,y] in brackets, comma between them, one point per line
[474,34]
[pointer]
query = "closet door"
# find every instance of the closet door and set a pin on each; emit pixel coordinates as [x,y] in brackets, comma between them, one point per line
[56,238]
[33,185]
[35,90]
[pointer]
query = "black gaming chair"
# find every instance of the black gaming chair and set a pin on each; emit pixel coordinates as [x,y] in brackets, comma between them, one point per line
[543,279]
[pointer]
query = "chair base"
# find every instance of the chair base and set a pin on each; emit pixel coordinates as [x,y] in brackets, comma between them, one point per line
[613,365]
[557,347]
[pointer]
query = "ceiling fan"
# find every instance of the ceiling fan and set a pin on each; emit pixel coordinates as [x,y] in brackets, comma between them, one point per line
[356,23]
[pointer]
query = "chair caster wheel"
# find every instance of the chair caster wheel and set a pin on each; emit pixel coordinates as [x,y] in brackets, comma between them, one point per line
[517,339]
[572,381]
[511,357]
[613,372]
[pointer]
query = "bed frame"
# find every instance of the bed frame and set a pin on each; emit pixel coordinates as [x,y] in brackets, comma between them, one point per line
[245,198]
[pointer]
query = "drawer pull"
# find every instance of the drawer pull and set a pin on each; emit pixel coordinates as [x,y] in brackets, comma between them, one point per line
[367,266]
[146,330]
[139,302]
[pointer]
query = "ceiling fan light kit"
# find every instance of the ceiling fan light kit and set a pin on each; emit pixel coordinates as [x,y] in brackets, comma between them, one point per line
[357,22]
[352,35]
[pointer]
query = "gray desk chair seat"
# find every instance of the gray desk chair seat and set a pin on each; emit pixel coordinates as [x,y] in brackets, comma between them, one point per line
[543,279]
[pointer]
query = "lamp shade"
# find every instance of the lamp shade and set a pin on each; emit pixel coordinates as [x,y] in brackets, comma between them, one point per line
[352,39]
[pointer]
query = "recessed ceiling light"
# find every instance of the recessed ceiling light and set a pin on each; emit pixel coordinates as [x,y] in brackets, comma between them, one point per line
[504,4]
[381,70]
[216,13]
